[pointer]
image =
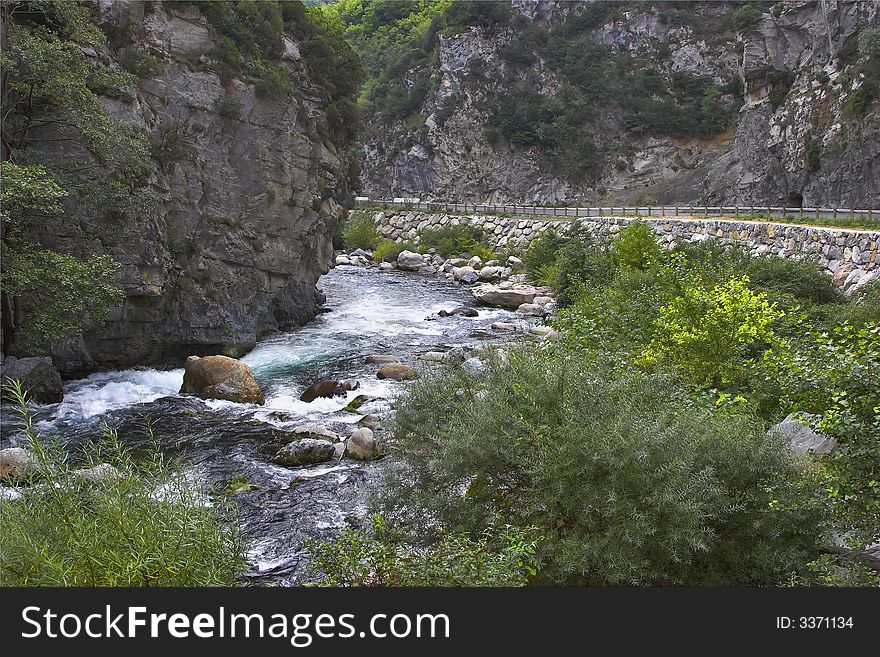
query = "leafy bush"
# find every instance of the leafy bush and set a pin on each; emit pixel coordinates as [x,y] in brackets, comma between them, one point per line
[497,557]
[636,246]
[627,480]
[359,232]
[805,280]
[139,63]
[747,16]
[144,523]
[451,241]
[387,251]
[542,255]
[708,334]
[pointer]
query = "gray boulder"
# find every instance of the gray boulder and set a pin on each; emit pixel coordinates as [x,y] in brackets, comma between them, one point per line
[305,452]
[802,439]
[491,273]
[410,261]
[316,432]
[473,366]
[362,445]
[504,297]
[37,375]
[16,464]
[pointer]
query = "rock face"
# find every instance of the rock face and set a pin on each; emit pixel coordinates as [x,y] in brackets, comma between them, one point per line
[243,221]
[221,377]
[798,73]
[305,452]
[37,375]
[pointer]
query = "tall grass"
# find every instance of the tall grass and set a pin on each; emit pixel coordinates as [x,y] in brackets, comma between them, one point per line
[144,523]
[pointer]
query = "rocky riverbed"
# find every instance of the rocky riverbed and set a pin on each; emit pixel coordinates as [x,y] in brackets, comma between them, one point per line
[417,319]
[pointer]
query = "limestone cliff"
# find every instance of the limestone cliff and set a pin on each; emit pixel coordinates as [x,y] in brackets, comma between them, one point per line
[792,141]
[246,188]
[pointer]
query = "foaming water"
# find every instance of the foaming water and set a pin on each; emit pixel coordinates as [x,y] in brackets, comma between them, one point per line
[109,391]
[371,312]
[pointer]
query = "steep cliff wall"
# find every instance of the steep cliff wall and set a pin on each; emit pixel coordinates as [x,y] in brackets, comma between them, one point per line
[803,131]
[245,190]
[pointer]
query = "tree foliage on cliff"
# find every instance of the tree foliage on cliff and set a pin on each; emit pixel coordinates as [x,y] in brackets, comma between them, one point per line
[51,86]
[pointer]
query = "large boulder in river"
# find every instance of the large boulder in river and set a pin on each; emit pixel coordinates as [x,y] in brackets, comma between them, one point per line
[410,261]
[221,377]
[305,452]
[504,297]
[362,445]
[37,375]
[397,372]
[316,432]
[325,388]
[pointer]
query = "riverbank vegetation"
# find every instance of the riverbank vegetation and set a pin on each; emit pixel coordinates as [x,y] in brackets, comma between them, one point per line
[636,446]
[108,517]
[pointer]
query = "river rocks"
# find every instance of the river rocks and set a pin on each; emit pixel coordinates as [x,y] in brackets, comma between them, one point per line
[349,384]
[316,432]
[37,375]
[802,439]
[433,356]
[473,366]
[325,388]
[397,372]
[305,452]
[465,274]
[514,263]
[362,445]
[410,261]
[342,260]
[463,311]
[490,274]
[17,464]
[357,402]
[381,359]
[386,266]
[373,422]
[530,309]
[504,326]
[100,474]
[544,332]
[221,377]
[504,297]
[476,262]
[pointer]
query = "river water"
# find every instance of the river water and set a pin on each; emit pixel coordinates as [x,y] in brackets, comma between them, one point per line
[371,312]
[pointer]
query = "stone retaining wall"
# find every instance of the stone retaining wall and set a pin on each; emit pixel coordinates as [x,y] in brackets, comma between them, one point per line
[849,254]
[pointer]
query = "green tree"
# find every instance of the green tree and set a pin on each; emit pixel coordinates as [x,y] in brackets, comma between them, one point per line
[51,95]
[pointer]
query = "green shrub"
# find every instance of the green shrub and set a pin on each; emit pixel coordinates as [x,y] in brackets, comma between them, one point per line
[636,246]
[503,556]
[542,254]
[387,251]
[807,281]
[146,526]
[452,241]
[359,232]
[747,16]
[139,63]
[628,481]
[708,335]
